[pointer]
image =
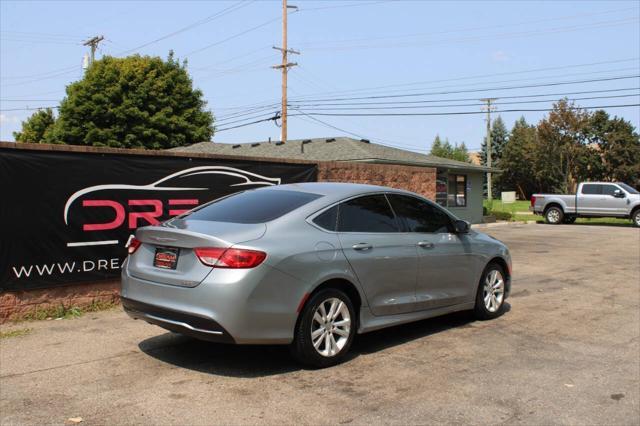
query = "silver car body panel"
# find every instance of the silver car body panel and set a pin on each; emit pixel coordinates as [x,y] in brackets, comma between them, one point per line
[397,280]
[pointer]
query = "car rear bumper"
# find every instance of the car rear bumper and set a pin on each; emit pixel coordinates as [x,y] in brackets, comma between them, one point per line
[257,306]
[179,322]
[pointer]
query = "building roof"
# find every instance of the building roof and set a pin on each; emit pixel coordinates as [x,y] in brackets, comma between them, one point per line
[330,149]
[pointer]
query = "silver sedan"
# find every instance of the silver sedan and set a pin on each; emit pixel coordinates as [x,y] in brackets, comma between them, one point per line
[311,265]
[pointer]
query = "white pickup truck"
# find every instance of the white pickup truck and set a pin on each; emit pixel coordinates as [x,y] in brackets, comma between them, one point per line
[593,199]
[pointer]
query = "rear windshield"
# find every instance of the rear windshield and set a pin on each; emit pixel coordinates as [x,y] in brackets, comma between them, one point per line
[253,206]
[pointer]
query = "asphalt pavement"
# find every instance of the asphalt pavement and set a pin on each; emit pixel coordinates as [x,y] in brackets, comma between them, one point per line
[567,351]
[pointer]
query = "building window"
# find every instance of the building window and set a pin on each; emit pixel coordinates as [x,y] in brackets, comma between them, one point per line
[457,193]
[441,188]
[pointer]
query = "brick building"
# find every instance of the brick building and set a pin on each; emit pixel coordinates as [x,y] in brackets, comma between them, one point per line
[452,184]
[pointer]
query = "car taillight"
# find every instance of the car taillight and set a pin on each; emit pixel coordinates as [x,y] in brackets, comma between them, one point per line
[533,201]
[229,258]
[133,245]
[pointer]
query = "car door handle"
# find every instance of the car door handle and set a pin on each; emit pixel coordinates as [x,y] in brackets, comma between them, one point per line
[362,246]
[426,244]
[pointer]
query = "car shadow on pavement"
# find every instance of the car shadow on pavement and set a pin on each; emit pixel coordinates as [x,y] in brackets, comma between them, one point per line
[249,361]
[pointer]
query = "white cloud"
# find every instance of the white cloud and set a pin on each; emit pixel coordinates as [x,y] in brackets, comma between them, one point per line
[499,56]
[8,119]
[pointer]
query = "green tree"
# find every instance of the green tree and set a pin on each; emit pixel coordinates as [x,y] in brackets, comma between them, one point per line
[517,160]
[133,102]
[618,147]
[36,128]
[562,151]
[446,150]
[499,139]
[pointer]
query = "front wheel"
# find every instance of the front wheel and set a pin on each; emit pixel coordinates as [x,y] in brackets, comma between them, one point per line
[554,215]
[636,218]
[325,330]
[491,293]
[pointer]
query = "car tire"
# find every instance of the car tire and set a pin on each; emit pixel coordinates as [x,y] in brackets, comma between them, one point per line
[491,293]
[554,215]
[569,219]
[635,217]
[314,344]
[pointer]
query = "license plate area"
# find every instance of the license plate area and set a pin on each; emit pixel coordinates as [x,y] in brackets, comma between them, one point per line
[166,258]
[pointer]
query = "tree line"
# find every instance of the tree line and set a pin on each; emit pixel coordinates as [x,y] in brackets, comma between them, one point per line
[567,146]
[133,102]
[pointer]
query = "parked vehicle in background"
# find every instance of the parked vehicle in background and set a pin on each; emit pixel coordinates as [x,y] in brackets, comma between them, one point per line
[311,265]
[592,199]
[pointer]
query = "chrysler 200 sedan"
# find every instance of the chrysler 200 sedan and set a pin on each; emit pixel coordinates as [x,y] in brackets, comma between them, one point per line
[311,265]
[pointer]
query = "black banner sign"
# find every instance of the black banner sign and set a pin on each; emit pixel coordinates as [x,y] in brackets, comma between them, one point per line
[65,217]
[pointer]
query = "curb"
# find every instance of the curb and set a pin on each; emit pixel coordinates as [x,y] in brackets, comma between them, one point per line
[496,224]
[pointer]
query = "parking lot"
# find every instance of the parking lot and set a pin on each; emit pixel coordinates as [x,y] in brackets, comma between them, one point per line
[567,351]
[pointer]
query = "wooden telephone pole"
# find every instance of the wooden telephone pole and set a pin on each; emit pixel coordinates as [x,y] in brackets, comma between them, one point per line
[284,66]
[489,145]
[93,42]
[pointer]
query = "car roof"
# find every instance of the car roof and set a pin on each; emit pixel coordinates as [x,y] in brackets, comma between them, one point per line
[333,189]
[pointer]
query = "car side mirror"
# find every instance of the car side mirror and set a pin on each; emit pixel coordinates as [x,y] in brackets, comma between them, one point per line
[618,193]
[461,226]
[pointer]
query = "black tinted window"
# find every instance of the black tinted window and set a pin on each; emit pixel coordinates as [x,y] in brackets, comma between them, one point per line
[253,206]
[328,220]
[608,189]
[591,189]
[420,216]
[366,214]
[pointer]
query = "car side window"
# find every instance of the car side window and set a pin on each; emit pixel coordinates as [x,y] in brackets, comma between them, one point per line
[328,219]
[420,216]
[591,189]
[609,189]
[370,213]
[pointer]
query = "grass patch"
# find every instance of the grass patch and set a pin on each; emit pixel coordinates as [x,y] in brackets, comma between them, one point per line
[66,312]
[14,333]
[516,212]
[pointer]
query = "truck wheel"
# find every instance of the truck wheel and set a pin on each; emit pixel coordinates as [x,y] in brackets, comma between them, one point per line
[553,215]
[569,219]
[636,218]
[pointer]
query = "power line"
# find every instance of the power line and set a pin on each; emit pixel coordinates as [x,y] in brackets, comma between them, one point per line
[208,46]
[500,36]
[420,114]
[275,117]
[415,83]
[470,99]
[219,14]
[515,24]
[464,105]
[475,90]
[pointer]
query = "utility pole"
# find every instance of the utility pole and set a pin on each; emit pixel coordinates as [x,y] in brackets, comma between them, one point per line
[93,42]
[284,66]
[489,145]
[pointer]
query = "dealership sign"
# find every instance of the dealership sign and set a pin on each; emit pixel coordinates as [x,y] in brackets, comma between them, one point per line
[66,216]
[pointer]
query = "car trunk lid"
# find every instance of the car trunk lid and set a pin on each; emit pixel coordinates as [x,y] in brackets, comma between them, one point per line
[167,256]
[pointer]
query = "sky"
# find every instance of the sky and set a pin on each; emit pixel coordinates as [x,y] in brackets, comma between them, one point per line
[389,58]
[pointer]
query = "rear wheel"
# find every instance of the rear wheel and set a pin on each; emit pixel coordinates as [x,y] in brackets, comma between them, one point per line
[636,218]
[554,215]
[491,293]
[325,330]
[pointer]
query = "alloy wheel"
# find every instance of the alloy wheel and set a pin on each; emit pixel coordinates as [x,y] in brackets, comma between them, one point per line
[330,327]
[553,216]
[493,294]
